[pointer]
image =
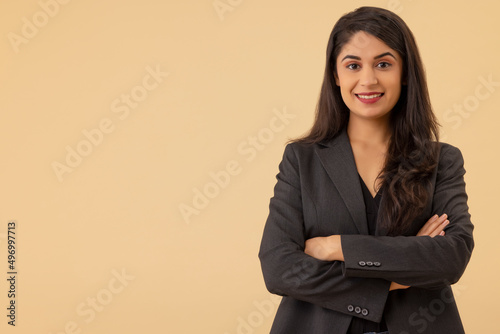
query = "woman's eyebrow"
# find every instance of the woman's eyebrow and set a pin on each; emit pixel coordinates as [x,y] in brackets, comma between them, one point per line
[385,54]
[376,57]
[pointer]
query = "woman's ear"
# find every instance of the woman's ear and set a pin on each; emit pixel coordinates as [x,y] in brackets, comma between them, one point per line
[336,79]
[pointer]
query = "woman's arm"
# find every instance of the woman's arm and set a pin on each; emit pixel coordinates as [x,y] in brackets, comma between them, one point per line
[420,261]
[330,248]
[288,271]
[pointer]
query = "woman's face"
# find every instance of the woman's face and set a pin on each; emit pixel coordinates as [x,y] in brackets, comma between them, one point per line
[369,76]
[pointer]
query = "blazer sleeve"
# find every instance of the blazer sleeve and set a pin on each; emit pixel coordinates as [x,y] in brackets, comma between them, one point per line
[288,271]
[421,261]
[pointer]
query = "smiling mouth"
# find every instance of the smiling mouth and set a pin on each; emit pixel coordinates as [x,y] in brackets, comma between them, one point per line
[369,97]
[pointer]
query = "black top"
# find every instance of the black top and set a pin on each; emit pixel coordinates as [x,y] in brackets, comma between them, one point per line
[358,325]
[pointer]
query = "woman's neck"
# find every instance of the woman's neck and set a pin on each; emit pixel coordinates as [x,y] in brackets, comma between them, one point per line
[369,131]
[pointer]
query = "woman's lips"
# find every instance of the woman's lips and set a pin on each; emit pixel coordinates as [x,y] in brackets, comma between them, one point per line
[369,97]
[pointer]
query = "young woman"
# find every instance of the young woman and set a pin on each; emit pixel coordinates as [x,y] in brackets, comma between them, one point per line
[369,224]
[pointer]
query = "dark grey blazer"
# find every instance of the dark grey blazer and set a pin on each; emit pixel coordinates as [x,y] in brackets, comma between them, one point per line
[318,193]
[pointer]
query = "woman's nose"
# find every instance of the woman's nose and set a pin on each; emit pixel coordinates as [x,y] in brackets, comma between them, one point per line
[368,77]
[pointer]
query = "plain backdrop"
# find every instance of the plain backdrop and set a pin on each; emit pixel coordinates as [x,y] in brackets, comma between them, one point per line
[140,141]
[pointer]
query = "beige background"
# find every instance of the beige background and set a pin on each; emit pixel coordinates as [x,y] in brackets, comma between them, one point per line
[230,72]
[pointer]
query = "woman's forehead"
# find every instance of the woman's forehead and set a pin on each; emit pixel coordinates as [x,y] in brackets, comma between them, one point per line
[364,44]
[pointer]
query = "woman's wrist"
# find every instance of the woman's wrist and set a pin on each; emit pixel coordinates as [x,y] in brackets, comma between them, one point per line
[336,242]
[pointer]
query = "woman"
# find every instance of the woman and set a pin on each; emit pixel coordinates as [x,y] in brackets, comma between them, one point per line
[369,224]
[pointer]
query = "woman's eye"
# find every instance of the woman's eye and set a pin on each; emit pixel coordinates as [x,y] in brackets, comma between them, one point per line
[383,64]
[353,66]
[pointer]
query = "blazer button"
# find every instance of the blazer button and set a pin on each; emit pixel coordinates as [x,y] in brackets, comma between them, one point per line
[362,263]
[350,308]
[369,264]
[376,264]
[364,312]
[357,309]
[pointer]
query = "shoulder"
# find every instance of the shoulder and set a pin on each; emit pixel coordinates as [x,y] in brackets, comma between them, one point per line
[298,148]
[296,154]
[304,149]
[450,160]
[449,153]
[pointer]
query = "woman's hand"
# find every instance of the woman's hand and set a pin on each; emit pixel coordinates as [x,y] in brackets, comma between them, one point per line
[434,226]
[325,248]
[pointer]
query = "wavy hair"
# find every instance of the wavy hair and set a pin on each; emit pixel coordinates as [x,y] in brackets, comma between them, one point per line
[412,153]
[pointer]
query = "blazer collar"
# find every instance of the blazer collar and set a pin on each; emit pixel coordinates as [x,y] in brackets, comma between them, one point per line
[338,160]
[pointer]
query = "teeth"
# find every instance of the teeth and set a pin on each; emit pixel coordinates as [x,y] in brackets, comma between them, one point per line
[367,97]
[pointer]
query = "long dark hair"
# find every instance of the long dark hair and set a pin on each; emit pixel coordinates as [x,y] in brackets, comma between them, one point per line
[412,154]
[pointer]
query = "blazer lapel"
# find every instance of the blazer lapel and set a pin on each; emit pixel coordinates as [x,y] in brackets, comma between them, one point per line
[338,160]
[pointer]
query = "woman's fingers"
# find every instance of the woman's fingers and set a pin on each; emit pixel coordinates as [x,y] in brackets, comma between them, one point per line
[434,226]
[439,230]
[438,226]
